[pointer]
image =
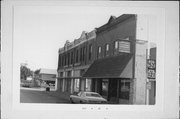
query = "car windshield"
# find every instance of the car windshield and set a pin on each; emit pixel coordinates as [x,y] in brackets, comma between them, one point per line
[92,95]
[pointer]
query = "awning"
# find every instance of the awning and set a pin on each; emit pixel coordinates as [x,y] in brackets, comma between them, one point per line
[110,67]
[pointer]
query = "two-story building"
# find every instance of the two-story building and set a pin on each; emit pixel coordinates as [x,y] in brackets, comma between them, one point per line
[108,60]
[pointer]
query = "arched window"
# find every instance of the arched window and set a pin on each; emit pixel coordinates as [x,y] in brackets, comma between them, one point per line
[106,49]
[116,45]
[99,52]
[90,51]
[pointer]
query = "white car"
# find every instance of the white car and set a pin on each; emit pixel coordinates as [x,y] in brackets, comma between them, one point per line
[88,98]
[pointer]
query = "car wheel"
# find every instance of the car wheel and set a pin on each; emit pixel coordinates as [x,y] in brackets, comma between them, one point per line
[81,102]
[71,100]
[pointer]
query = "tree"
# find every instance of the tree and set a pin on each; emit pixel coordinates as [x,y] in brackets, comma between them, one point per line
[25,72]
[37,71]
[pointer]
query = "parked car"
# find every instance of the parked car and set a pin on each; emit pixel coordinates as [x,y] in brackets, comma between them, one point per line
[88,98]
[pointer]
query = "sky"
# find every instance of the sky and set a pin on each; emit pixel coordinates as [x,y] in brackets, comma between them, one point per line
[39,31]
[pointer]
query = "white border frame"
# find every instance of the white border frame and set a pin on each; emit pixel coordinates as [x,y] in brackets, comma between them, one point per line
[165,106]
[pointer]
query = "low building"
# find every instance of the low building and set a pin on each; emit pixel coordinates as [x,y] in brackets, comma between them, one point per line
[48,76]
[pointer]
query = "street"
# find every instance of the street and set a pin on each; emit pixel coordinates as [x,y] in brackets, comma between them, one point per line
[30,95]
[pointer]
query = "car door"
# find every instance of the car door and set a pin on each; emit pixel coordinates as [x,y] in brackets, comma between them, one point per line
[78,97]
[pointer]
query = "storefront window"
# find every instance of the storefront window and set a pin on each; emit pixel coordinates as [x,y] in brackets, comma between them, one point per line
[124,89]
[88,84]
[76,85]
[105,88]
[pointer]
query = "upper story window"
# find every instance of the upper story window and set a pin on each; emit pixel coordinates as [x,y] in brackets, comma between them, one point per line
[106,49]
[61,74]
[90,51]
[69,73]
[77,56]
[72,58]
[65,62]
[81,54]
[99,52]
[116,45]
[59,61]
[68,58]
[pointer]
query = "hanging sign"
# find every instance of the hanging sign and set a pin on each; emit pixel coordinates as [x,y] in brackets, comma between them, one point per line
[151,69]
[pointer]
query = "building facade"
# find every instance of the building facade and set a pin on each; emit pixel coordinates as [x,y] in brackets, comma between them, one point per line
[48,76]
[108,60]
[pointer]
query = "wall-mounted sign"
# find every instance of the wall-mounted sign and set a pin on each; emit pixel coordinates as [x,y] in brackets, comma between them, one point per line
[148,85]
[151,69]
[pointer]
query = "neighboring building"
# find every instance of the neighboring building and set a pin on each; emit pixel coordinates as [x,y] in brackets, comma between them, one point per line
[152,91]
[109,60]
[48,76]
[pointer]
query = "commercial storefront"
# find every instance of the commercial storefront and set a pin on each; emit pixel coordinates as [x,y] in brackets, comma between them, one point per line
[108,60]
[111,77]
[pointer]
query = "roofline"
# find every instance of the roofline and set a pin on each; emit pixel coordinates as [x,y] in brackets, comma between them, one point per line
[116,21]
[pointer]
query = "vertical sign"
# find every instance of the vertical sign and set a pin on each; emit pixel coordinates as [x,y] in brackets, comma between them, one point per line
[151,67]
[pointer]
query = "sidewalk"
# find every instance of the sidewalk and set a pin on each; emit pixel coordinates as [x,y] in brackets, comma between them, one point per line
[35,88]
[60,95]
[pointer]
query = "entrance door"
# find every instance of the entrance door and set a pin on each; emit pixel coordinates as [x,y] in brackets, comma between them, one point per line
[124,91]
[112,93]
[105,88]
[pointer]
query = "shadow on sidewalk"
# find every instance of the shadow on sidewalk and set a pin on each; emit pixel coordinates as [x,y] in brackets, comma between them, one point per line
[60,95]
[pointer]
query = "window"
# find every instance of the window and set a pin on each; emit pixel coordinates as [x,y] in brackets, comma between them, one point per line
[77,55]
[125,88]
[106,49]
[68,58]
[99,52]
[61,60]
[61,74]
[90,51]
[71,57]
[116,45]
[59,63]
[81,52]
[65,63]
[68,73]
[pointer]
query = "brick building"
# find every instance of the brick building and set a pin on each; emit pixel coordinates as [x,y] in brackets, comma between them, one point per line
[109,60]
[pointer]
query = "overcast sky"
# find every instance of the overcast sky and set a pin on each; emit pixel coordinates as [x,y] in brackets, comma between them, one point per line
[39,31]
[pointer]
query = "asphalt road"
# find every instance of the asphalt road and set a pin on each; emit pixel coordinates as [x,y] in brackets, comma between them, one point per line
[39,96]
